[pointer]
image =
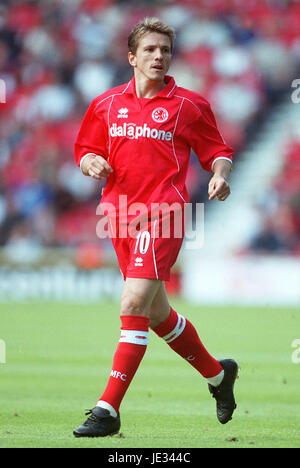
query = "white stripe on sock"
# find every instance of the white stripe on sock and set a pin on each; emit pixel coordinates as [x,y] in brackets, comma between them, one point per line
[107,406]
[134,336]
[215,381]
[177,330]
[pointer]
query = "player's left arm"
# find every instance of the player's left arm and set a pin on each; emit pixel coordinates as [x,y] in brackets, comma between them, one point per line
[213,153]
[218,186]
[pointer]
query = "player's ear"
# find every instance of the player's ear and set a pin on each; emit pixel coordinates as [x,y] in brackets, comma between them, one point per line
[132,59]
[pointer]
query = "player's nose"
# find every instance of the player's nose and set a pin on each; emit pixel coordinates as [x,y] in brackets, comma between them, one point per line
[158,54]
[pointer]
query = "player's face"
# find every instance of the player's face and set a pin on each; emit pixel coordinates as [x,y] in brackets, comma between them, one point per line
[153,56]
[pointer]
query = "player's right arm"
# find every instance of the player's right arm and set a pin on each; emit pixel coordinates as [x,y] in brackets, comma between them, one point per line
[95,166]
[91,144]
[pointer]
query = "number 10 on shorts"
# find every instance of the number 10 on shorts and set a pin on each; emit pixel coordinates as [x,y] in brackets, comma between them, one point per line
[142,242]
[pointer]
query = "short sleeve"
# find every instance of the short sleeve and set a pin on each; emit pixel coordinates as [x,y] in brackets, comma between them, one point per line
[206,139]
[91,137]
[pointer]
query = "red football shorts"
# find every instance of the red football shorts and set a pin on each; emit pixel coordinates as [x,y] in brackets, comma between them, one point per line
[150,249]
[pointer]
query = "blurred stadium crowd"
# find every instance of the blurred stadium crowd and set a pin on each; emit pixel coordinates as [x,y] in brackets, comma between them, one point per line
[56,56]
[280,208]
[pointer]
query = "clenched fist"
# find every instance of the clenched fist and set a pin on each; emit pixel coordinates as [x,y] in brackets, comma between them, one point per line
[218,186]
[95,166]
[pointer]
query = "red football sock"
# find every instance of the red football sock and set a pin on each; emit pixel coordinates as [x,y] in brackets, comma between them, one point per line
[129,353]
[183,338]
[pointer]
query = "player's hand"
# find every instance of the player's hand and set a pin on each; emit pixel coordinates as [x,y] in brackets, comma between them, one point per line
[218,187]
[96,166]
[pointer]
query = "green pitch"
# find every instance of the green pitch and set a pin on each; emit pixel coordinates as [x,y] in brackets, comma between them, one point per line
[58,359]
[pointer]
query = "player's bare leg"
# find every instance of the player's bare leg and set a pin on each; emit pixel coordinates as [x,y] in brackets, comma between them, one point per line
[182,337]
[137,297]
[160,307]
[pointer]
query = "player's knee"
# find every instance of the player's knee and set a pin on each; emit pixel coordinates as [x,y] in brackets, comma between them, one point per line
[132,306]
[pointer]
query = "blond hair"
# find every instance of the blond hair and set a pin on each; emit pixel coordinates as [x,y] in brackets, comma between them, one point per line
[147,25]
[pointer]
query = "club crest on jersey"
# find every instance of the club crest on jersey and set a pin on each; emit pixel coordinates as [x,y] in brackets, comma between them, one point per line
[160,115]
[123,113]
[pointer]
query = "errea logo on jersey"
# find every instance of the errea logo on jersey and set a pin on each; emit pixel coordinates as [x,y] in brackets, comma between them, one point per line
[138,261]
[123,113]
[133,132]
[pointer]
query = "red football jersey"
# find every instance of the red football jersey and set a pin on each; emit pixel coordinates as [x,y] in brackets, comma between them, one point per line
[148,142]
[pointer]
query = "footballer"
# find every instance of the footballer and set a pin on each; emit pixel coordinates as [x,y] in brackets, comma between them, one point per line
[139,137]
